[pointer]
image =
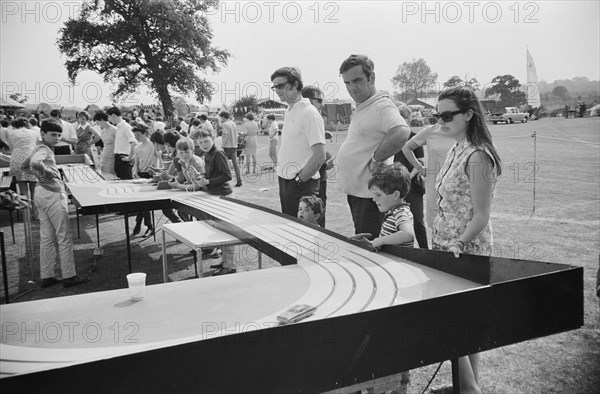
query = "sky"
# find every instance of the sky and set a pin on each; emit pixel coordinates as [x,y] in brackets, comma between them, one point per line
[477,39]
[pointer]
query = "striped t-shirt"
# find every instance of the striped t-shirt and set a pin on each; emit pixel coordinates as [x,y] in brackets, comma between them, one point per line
[396,217]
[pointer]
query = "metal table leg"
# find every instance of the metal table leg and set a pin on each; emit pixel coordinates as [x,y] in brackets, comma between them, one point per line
[126,216]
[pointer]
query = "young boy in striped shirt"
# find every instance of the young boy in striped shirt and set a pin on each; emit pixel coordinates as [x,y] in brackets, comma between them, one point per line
[389,186]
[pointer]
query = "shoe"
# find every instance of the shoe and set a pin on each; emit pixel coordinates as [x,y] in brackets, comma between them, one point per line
[74,281]
[224,271]
[239,184]
[47,282]
[149,232]
[447,389]
[215,254]
[217,266]
[136,230]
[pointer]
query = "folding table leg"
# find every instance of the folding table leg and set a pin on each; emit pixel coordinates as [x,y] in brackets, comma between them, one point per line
[455,376]
[164,256]
[4,268]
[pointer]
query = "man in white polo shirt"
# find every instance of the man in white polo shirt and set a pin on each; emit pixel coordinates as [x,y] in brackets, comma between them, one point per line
[377,131]
[302,148]
[124,143]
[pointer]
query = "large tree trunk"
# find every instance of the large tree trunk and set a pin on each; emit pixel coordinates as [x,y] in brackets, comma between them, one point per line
[167,104]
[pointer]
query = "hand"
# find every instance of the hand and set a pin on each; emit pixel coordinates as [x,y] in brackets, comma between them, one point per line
[363,239]
[125,158]
[422,170]
[455,247]
[329,164]
[373,165]
[377,243]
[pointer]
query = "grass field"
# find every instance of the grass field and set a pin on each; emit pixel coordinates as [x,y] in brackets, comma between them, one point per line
[564,229]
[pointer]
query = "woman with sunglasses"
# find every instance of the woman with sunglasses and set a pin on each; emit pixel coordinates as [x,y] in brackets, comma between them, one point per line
[465,187]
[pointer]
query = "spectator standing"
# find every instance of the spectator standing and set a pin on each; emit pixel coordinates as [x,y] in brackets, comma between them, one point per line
[302,150]
[465,187]
[51,199]
[107,156]
[22,141]
[315,96]
[86,135]
[273,139]
[125,143]
[376,133]
[144,158]
[438,144]
[230,143]
[251,131]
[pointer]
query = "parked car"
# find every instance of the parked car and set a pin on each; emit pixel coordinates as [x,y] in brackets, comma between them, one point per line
[507,115]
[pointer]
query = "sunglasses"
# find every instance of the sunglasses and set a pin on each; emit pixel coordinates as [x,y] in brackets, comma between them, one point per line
[319,100]
[447,116]
[279,86]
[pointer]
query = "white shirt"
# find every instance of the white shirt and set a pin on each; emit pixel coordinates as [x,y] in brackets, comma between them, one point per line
[370,123]
[123,138]
[303,128]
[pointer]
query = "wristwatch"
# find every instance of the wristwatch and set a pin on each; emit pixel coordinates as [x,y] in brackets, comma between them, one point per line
[298,180]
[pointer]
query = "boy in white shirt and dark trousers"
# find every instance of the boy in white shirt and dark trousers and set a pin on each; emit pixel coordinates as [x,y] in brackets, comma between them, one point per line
[144,158]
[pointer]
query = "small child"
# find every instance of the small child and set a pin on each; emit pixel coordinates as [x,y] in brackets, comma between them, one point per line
[216,181]
[311,209]
[144,158]
[389,185]
[189,166]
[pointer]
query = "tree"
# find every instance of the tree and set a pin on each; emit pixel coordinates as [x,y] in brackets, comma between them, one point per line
[413,77]
[507,87]
[561,92]
[156,43]
[248,102]
[17,97]
[453,82]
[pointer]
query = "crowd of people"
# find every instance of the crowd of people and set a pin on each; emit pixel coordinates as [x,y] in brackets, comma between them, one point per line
[379,166]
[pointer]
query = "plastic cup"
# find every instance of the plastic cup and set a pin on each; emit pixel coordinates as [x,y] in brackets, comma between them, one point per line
[137,285]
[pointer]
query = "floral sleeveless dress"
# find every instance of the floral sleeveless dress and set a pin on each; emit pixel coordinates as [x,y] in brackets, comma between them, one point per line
[455,207]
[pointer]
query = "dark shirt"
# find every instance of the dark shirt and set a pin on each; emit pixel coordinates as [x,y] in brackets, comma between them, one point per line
[217,172]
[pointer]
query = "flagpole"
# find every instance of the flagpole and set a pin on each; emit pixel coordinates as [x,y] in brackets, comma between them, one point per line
[534,135]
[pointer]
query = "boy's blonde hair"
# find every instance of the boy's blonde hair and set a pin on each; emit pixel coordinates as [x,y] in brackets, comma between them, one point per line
[185,144]
[391,177]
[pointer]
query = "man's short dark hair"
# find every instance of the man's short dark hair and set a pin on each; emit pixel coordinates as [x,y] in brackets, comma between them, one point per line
[224,114]
[203,117]
[171,138]
[113,111]
[55,113]
[140,128]
[196,122]
[311,91]
[51,124]
[271,117]
[157,137]
[292,74]
[367,64]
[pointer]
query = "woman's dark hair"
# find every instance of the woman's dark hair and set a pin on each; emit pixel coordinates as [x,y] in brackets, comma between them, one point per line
[249,116]
[478,133]
[100,115]
[20,122]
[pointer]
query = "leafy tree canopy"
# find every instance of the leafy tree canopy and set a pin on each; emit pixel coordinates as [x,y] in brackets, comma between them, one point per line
[162,44]
[414,77]
[455,81]
[246,101]
[507,87]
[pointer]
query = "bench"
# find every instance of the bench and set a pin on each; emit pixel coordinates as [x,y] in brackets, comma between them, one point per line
[198,235]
